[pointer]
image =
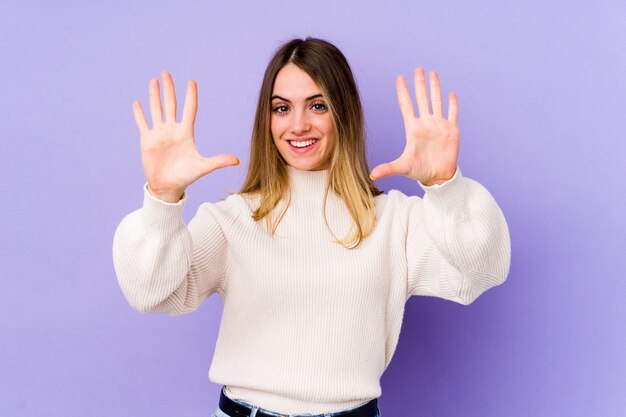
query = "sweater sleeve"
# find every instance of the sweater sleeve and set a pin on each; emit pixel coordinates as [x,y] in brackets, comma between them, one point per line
[458,242]
[161,264]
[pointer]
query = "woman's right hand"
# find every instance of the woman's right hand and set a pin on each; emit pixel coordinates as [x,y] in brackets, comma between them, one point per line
[171,161]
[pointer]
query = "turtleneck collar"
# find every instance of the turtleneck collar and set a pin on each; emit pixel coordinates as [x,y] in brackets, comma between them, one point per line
[307,185]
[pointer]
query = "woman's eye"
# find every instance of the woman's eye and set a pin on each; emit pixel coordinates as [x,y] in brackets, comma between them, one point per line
[319,106]
[280,109]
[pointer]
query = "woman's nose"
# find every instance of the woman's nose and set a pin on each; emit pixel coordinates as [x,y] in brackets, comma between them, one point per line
[300,123]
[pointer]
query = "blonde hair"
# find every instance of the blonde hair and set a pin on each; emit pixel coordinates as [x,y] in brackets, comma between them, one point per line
[348,174]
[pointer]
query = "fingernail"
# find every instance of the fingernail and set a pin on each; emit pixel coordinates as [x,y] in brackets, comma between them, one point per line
[373,178]
[238,162]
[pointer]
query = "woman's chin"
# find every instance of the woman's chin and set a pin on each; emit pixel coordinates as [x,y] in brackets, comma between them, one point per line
[308,164]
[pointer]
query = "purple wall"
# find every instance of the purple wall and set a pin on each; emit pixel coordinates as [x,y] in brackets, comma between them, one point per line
[542,100]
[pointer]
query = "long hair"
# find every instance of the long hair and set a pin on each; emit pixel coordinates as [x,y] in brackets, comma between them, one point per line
[348,175]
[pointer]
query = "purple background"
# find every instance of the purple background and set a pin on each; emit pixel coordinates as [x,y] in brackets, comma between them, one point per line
[542,100]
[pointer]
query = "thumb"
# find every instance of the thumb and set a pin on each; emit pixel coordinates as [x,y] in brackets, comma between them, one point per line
[212,163]
[386,169]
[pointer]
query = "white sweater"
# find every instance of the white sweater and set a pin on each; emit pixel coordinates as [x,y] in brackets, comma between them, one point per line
[309,326]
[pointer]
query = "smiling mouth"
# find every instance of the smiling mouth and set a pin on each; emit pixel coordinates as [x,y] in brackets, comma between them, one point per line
[302,143]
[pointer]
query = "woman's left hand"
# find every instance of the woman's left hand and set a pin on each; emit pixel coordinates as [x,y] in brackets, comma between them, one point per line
[432,141]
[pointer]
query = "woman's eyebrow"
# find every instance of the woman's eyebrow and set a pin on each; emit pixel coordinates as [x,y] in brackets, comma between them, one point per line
[289,101]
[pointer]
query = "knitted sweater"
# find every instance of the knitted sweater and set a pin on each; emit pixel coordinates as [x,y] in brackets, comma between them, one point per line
[309,326]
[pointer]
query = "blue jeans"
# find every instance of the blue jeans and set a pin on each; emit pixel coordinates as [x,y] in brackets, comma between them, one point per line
[220,413]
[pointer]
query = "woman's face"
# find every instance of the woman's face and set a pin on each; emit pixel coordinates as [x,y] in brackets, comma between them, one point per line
[301,122]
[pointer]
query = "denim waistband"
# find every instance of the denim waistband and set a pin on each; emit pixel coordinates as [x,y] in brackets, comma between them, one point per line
[369,409]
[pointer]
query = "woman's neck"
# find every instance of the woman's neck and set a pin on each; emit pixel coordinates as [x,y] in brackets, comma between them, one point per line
[307,185]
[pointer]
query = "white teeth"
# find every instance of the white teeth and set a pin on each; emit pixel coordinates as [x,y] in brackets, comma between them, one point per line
[303,143]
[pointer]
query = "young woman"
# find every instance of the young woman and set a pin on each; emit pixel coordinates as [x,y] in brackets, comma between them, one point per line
[313,263]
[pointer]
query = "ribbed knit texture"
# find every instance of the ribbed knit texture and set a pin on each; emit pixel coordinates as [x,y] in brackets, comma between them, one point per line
[309,326]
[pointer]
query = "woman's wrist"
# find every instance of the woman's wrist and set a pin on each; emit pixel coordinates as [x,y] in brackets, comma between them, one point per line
[168,196]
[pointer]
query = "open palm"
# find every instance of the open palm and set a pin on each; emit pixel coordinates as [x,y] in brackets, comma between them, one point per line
[432,141]
[171,161]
